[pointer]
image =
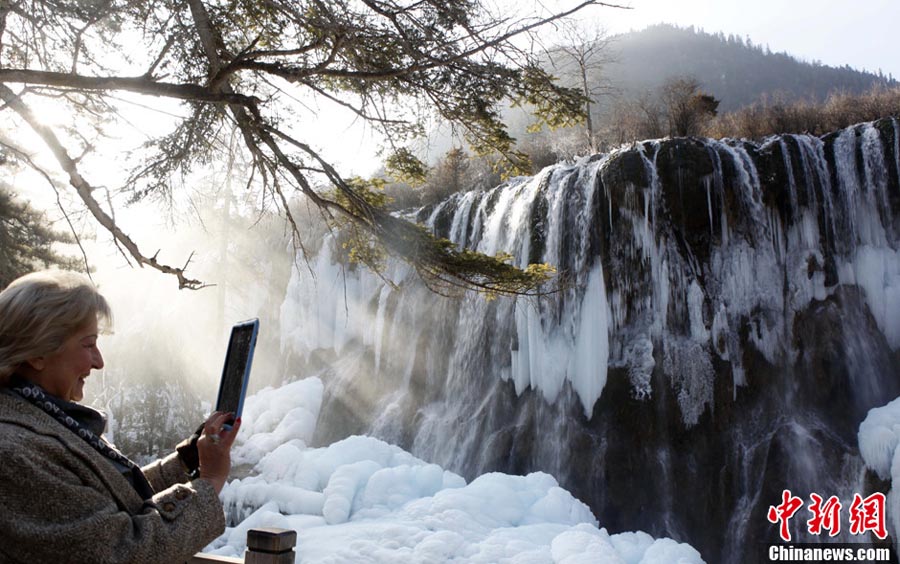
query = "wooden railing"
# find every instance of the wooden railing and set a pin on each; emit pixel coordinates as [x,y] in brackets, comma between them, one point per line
[264,546]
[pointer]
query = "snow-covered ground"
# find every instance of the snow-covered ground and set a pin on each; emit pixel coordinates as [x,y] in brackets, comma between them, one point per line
[363,500]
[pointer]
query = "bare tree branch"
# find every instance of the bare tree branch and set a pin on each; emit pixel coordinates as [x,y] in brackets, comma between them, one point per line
[85,190]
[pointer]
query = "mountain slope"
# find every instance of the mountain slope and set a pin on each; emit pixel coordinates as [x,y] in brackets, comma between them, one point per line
[731,68]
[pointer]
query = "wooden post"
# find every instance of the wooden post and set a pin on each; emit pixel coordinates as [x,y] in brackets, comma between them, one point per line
[270,546]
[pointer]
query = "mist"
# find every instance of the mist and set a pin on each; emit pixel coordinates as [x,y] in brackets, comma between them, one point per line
[165,348]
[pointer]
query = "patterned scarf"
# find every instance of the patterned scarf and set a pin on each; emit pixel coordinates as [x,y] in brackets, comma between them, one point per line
[58,409]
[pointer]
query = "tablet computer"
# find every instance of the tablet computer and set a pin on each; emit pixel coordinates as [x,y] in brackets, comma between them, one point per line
[236,373]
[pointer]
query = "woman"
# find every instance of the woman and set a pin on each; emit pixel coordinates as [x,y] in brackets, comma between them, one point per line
[66,495]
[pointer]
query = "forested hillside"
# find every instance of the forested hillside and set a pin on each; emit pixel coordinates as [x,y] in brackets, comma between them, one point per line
[733,69]
[664,81]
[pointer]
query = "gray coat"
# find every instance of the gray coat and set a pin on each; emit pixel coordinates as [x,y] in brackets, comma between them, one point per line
[62,501]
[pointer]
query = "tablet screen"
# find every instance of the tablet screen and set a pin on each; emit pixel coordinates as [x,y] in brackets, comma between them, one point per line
[236,372]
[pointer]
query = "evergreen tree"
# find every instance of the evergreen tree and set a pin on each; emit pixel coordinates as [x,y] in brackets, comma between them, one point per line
[26,241]
[449,176]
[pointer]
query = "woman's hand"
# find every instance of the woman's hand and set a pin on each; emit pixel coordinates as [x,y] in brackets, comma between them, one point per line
[214,448]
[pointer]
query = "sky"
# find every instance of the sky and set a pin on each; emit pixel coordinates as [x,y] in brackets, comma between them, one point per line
[861,33]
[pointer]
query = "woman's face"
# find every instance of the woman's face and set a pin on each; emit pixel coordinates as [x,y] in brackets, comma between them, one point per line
[62,373]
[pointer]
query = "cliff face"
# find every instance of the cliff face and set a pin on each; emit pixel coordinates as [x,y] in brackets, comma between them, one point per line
[733,312]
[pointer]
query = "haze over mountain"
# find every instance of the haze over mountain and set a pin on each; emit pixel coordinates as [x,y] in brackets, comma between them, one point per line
[733,69]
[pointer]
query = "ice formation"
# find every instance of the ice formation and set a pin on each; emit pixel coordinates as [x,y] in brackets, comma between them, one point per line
[363,500]
[879,435]
[276,417]
[547,353]
[645,300]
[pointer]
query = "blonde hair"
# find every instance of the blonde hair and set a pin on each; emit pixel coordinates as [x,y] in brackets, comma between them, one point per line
[39,311]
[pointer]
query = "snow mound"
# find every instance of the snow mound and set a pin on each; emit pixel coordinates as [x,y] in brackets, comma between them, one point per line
[273,417]
[878,437]
[363,500]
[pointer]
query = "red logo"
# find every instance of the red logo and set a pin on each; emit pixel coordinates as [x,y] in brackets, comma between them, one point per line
[866,514]
[783,513]
[825,515]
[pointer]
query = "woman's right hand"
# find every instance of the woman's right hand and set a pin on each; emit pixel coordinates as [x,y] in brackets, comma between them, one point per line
[214,448]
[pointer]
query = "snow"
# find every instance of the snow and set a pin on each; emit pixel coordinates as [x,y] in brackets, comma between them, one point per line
[275,417]
[879,435]
[364,500]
